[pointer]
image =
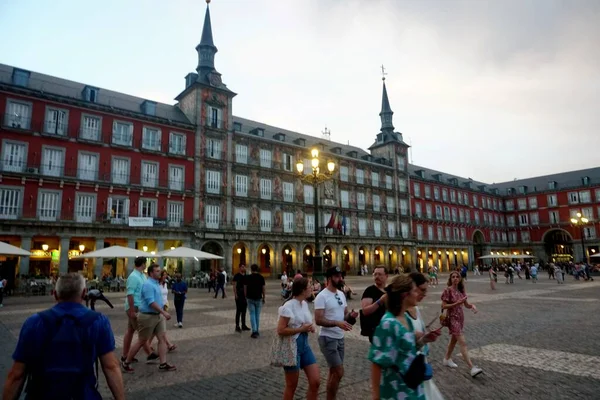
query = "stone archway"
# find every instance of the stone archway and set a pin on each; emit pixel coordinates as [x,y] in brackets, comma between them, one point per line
[378,256]
[266,258]
[327,257]
[478,246]
[307,258]
[214,248]
[558,245]
[240,254]
[287,257]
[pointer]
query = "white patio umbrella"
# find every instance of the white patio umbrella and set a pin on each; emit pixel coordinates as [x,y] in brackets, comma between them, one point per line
[488,257]
[10,250]
[595,256]
[115,252]
[186,252]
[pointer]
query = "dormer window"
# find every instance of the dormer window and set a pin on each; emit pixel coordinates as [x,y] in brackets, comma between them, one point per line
[510,191]
[90,94]
[522,189]
[552,185]
[585,180]
[258,132]
[421,173]
[300,142]
[352,154]
[149,107]
[20,77]
[453,181]
[336,150]
[437,177]
[279,136]
[237,126]
[481,187]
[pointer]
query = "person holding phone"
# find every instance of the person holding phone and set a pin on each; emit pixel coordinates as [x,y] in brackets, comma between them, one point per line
[454,298]
[424,334]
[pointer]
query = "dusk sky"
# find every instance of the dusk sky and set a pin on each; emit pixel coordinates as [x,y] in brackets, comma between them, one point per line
[492,90]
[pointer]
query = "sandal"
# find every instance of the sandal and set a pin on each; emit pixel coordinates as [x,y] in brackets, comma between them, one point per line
[172,348]
[167,367]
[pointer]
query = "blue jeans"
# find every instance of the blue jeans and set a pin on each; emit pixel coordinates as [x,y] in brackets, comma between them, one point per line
[254,307]
[179,309]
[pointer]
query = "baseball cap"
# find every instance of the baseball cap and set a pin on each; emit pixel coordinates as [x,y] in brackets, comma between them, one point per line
[333,271]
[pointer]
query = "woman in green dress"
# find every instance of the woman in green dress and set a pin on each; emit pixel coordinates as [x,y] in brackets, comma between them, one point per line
[395,345]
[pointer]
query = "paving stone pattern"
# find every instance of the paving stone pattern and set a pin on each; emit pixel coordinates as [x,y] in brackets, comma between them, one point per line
[534,341]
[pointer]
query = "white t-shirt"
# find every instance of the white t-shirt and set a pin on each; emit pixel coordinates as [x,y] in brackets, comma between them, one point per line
[334,305]
[297,312]
[165,293]
[533,270]
[284,279]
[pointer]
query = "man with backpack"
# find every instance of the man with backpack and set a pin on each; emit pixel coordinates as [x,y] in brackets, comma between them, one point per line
[58,350]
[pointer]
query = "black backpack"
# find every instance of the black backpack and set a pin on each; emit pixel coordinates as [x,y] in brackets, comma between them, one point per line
[66,359]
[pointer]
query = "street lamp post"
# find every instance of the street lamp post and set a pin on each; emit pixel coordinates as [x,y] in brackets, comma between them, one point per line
[315,179]
[580,221]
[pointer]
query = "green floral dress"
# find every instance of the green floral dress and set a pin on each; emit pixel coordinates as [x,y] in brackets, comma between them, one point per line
[394,345]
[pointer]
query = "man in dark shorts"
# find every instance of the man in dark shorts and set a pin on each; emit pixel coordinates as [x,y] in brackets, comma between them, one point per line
[373,303]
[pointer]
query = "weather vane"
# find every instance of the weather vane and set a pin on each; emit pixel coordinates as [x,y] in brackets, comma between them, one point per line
[383,73]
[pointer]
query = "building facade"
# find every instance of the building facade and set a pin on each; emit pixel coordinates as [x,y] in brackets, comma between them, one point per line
[83,168]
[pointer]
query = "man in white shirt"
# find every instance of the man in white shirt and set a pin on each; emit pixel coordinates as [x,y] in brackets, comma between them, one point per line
[332,315]
[284,279]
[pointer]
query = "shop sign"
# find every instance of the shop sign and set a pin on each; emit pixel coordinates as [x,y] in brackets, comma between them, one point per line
[40,254]
[160,222]
[141,222]
[55,256]
[73,253]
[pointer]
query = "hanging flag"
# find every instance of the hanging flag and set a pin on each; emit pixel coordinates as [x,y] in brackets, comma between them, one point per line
[338,223]
[344,227]
[331,223]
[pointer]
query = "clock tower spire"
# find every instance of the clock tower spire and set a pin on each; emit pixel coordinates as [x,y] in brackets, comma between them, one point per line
[206,53]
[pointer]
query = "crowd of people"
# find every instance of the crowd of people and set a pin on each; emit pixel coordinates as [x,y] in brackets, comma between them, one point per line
[556,271]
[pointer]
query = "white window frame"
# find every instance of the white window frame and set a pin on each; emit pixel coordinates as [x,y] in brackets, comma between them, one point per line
[391,227]
[416,189]
[360,176]
[573,197]
[309,223]
[86,172]
[390,205]
[287,162]
[18,114]
[89,214]
[585,196]
[554,217]
[241,185]
[212,216]
[177,148]
[59,127]
[523,219]
[213,181]
[533,203]
[121,178]
[14,161]
[122,133]
[376,202]
[90,131]
[344,199]
[362,227]
[444,195]
[403,206]
[174,182]
[402,185]
[266,220]
[266,158]
[11,202]
[241,219]
[309,193]
[288,222]
[147,208]
[288,192]
[430,235]
[214,148]
[360,200]
[44,213]
[419,232]
[534,219]
[265,188]
[375,178]
[175,213]
[214,117]
[146,179]
[389,182]
[151,143]
[117,218]
[48,166]
[525,236]
[241,153]
[405,230]
[343,172]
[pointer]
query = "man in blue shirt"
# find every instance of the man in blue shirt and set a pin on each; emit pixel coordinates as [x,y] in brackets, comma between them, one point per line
[135,281]
[179,290]
[38,358]
[151,321]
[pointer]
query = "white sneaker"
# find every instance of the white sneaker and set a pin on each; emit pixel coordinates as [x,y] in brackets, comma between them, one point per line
[180,325]
[450,363]
[176,325]
[475,371]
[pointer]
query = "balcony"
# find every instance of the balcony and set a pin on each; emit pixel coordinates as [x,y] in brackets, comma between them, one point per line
[215,123]
[90,135]
[215,154]
[59,129]
[176,150]
[11,121]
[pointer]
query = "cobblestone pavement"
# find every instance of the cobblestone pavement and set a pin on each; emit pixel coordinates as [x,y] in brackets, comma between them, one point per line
[534,341]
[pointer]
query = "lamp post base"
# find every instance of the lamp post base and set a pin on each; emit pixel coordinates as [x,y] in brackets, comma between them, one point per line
[317,265]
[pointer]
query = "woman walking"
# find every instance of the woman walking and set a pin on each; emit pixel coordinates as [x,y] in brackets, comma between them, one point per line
[453,300]
[164,290]
[296,320]
[416,319]
[394,343]
[493,277]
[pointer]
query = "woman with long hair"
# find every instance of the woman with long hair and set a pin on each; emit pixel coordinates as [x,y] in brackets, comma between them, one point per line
[296,320]
[416,319]
[394,343]
[164,290]
[454,298]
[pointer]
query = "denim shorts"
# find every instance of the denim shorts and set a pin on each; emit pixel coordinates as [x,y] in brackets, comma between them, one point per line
[305,355]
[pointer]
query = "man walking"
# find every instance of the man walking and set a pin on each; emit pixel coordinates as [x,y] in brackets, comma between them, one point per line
[2,286]
[331,314]
[152,321]
[135,281]
[58,350]
[221,278]
[179,290]
[373,303]
[241,305]
[254,289]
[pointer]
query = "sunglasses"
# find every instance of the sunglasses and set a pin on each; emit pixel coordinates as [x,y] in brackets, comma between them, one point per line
[337,297]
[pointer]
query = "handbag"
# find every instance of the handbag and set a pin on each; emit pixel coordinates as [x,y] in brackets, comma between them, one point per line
[418,372]
[284,351]
[444,320]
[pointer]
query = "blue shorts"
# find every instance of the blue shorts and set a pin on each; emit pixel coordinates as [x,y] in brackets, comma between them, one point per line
[305,355]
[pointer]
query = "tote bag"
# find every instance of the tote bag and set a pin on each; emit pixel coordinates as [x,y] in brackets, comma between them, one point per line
[284,351]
